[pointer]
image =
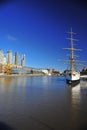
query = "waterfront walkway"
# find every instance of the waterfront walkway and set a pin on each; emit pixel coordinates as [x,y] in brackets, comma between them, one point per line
[83,77]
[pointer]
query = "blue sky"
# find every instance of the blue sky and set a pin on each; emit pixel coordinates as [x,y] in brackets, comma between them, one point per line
[38,29]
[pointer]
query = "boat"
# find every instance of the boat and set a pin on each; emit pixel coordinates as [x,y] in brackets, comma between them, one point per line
[72,75]
[49,74]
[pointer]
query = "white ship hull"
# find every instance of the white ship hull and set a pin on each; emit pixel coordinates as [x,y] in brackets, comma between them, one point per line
[73,78]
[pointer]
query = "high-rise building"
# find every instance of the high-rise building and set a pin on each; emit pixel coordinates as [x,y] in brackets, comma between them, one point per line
[17,59]
[2,57]
[9,57]
[23,60]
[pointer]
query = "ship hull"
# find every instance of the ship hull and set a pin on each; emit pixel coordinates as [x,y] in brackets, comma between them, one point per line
[73,82]
[73,78]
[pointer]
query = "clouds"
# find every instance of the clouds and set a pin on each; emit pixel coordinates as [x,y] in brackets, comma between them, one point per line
[11,37]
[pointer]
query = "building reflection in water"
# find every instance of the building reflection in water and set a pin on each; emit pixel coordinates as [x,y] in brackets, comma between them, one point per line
[12,84]
[19,81]
[7,81]
[12,89]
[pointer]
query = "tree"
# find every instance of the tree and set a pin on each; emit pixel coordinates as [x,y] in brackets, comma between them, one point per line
[8,69]
[84,69]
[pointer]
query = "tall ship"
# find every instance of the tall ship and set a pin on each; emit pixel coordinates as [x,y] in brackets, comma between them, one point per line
[72,75]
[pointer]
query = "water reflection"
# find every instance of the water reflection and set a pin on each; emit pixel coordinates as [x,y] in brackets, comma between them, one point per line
[44,80]
[76,95]
[9,81]
[12,87]
[43,103]
[84,84]
[76,91]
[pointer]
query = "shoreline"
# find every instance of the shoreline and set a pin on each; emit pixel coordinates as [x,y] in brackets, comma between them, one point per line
[19,75]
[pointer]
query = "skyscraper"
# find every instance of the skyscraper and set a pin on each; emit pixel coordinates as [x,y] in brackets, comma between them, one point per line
[17,59]
[9,57]
[23,60]
[2,57]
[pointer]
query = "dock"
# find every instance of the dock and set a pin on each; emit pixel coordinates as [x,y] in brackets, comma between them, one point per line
[83,76]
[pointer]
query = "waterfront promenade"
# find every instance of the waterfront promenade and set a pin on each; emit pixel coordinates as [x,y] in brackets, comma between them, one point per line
[15,75]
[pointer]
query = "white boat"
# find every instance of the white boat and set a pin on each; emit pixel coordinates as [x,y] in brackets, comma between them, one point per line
[49,74]
[72,75]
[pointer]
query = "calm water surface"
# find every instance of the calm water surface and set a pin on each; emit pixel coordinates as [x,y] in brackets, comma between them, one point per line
[42,103]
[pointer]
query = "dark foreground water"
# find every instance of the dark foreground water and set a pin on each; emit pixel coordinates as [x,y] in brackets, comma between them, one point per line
[42,103]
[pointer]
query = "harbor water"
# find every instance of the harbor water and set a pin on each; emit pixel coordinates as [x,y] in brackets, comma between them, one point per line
[42,103]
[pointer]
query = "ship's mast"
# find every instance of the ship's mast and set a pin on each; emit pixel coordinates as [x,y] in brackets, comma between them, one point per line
[72,60]
[72,50]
